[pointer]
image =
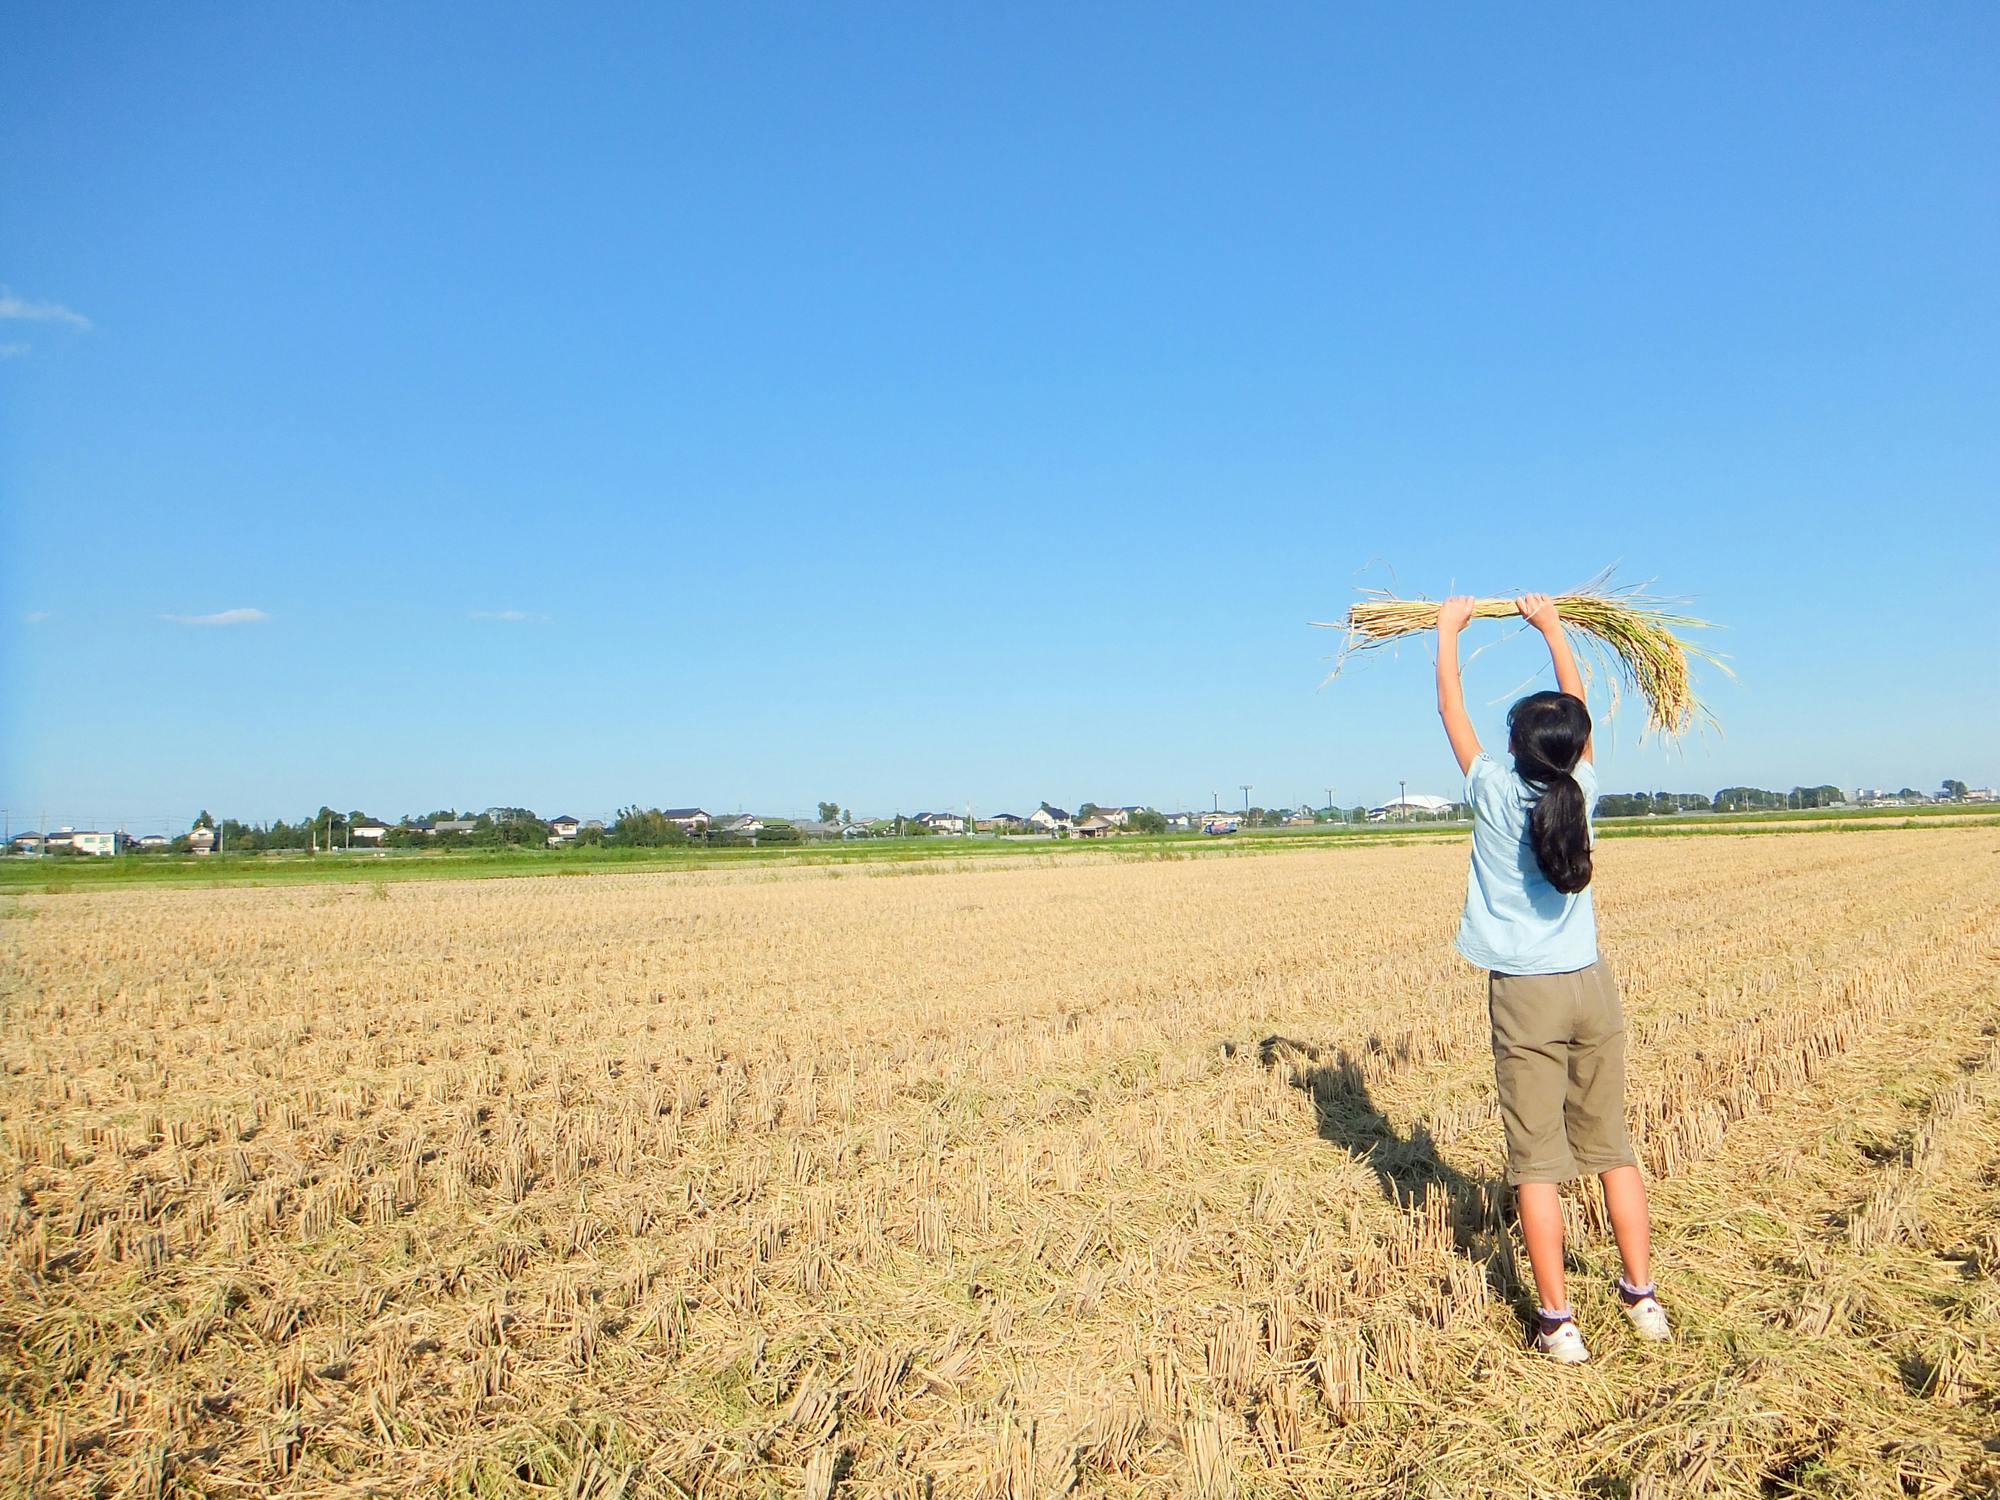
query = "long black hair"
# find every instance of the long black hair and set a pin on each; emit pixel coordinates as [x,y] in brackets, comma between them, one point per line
[1546,733]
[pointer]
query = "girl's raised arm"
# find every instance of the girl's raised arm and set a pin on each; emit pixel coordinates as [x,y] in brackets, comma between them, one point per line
[1452,615]
[1539,610]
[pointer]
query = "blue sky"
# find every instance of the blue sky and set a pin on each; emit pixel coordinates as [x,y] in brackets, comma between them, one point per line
[914,405]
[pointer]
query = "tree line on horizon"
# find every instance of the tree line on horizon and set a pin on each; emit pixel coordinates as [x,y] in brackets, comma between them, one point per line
[649,827]
[1748,799]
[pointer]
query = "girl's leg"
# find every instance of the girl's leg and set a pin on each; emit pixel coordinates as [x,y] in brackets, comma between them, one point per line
[1531,1023]
[1542,1228]
[1625,1201]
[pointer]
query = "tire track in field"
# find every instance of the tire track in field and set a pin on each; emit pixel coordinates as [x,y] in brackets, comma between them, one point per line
[1884,1216]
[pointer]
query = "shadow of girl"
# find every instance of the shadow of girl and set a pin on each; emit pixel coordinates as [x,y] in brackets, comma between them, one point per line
[1411,1173]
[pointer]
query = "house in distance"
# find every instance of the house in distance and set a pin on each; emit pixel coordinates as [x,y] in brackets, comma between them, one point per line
[1051,819]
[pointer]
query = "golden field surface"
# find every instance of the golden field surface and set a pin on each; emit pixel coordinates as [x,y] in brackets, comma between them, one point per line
[1100,1175]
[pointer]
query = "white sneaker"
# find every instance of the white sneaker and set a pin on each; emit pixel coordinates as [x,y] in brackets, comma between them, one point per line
[1647,1317]
[1565,1345]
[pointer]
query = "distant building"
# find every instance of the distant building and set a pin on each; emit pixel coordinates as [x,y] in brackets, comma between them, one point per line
[1981,794]
[942,822]
[1051,819]
[1415,805]
[1003,822]
[1096,826]
[1220,823]
[562,827]
[691,819]
[90,841]
[152,841]
[368,830]
[1118,816]
[451,825]
[201,841]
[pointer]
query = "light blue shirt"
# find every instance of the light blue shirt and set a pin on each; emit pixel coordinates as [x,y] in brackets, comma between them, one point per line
[1515,922]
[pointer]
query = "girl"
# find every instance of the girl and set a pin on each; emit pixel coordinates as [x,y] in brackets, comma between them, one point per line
[1558,1032]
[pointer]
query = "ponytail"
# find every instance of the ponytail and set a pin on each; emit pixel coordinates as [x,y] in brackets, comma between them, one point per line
[1547,733]
[1559,833]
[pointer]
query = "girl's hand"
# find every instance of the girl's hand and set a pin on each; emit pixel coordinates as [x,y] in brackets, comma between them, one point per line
[1539,610]
[1453,613]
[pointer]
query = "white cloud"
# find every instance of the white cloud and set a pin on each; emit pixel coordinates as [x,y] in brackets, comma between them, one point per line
[221,617]
[39,312]
[12,351]
[509,616]
[35,616]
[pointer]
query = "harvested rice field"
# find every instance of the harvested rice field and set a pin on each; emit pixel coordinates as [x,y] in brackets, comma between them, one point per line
[1096,1176]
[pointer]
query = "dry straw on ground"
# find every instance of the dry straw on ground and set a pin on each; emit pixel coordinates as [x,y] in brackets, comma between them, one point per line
[1102,1176]
[1624,629]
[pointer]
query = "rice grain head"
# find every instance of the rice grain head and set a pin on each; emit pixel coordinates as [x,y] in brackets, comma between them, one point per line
[1625,629]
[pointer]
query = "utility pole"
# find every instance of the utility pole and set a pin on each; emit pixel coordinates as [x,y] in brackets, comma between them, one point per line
[1403,799]
[1246,797]
[1329,802]
[1216,797]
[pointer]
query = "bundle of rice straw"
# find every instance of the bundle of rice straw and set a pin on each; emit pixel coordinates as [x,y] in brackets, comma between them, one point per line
[1623,628]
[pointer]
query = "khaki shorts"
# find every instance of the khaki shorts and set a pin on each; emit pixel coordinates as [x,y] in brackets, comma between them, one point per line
[1559,1058]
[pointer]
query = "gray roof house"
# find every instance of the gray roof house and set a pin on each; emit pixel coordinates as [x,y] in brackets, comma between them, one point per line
[1047,816]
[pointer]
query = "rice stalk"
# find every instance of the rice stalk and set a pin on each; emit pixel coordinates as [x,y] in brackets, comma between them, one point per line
[1625,630]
